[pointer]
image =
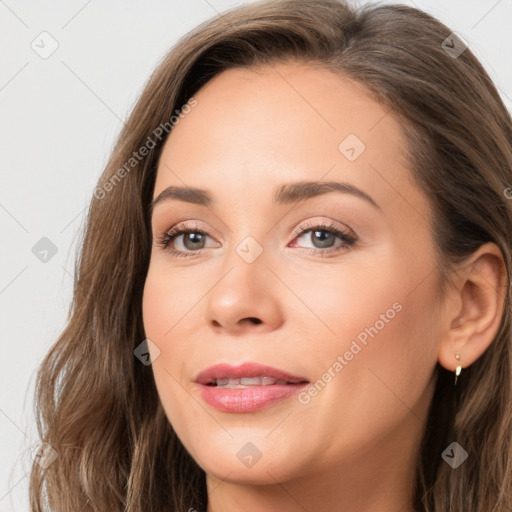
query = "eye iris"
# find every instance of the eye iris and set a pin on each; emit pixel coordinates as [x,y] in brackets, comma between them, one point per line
[193,238]
[325,239]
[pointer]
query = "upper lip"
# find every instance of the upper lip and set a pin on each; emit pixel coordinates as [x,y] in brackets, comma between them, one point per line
[249,369]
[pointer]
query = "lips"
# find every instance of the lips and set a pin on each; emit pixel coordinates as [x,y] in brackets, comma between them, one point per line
[246,388]
[247,374]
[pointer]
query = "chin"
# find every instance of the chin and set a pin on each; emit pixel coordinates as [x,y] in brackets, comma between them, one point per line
[249,462]
[261,474]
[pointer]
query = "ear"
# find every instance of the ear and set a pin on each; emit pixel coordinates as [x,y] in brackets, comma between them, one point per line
[474,308]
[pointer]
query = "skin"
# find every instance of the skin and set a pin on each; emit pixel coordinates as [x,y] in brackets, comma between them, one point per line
[354,445]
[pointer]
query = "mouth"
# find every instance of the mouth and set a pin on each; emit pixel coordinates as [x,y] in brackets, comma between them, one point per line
[247,374]
[227,383]
[248,387]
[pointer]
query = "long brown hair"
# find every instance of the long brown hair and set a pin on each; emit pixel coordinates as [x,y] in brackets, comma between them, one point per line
[97,404]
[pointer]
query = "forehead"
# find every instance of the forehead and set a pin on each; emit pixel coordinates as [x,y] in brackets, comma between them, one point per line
[253,128]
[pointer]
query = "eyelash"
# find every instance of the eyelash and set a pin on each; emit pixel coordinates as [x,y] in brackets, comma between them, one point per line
[182,229]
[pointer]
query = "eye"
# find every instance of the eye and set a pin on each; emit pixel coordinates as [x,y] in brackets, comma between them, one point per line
[323,238]
[188,239]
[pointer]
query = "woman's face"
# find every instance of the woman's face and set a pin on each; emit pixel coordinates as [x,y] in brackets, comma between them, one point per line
[334,285]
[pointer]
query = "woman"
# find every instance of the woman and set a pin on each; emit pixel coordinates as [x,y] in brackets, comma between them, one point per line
[294,287]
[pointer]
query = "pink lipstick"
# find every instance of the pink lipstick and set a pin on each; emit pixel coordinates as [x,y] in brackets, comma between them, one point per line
[248,387]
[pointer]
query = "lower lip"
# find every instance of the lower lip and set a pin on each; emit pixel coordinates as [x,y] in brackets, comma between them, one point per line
[249,399]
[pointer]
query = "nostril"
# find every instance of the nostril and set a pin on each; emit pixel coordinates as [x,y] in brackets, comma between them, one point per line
[254,320]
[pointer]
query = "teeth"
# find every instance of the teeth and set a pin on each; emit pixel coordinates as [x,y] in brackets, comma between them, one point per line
[247,381]
[257,381]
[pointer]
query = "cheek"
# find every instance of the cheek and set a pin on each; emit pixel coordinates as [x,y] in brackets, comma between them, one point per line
[385,301]
[160,309]
[154,304]
[379,354]
[164,307]
[170,322]
[158,302]
[168,299]
[348,302]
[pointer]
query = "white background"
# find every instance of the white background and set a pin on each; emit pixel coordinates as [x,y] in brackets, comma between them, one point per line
[59,117]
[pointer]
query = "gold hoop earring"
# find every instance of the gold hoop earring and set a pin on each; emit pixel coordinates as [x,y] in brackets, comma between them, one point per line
[458,369]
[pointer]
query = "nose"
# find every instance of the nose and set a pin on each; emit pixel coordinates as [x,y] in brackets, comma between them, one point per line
[245,298]
[245,320]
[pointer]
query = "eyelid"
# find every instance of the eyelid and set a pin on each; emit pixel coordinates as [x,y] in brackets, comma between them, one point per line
[174,232]
[327,224]
[187,226]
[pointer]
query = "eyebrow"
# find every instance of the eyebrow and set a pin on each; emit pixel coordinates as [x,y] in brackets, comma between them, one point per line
[283,194]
